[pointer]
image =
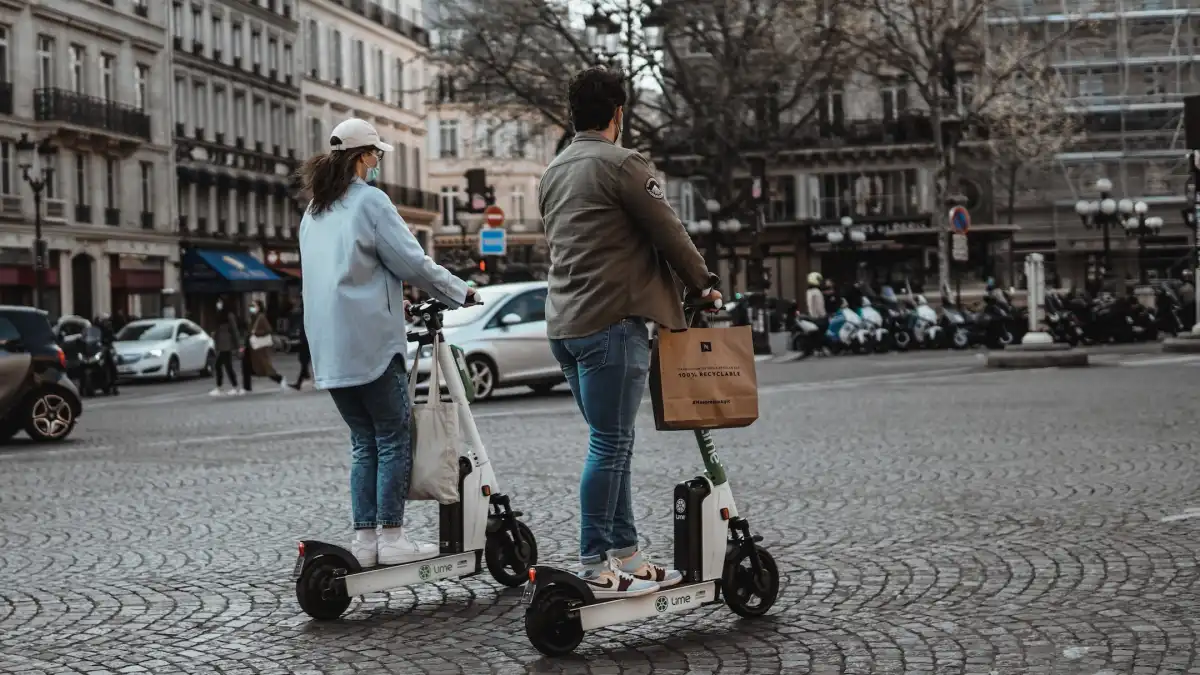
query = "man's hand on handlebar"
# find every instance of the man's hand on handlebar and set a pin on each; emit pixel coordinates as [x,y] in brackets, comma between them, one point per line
[472,298]
[712,301]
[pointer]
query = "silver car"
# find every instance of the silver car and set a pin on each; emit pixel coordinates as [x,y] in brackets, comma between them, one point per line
[504,340]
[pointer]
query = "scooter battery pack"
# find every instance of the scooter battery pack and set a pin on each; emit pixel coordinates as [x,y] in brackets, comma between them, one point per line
[689,528]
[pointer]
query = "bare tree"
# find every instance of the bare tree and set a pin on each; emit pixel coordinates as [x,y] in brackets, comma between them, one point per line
[711,82]
[984,77]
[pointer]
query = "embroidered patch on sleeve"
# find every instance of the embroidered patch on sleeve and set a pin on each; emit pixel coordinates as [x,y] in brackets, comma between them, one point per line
[654,188]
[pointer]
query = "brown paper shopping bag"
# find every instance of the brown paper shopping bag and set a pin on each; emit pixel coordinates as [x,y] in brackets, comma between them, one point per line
[703,378]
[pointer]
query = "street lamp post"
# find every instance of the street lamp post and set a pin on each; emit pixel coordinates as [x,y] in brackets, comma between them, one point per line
[1106,213]
[37,167]
[1138,225]
[613,39]
[716,228]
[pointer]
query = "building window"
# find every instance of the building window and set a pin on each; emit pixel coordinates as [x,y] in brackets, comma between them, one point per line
[220,112]
[398,82]
[360,66]
[200,101]
[417,168]
[314,49]
[218,35]
[45,55]
[335,55]
[402,164]
[289,128]
[82,162]
[380,73]
[6,167]
[4,74]
[276,131]
[141,86]
[112,180]
[181,107]
[448,138]
[256,48]
[894,97]
[316,135]
[147,187]
[107,85]
[260,120]
[1091,83]
[272,54]
[78,78]
[518,206]
[236,40]
[832,111]
[197,23]
[177,20]
[288,61]
[241,122]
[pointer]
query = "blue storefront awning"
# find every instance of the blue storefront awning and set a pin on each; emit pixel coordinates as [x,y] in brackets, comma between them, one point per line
[214,271]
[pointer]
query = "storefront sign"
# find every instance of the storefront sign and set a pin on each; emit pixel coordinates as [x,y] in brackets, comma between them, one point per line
[875,229]
[283,258]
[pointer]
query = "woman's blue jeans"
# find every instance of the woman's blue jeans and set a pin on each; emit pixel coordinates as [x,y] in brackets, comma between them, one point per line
[379,416]
[607,374]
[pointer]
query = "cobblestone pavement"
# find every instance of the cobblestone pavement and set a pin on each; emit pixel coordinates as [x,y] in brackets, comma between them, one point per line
[934,517]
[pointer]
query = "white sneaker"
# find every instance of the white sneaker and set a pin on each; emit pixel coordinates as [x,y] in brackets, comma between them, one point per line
[216,392]
[283,385]
[365,547]
[396,549]
[237,392]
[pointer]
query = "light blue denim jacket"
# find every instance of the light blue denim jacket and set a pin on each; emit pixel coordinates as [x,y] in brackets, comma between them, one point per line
[354,259]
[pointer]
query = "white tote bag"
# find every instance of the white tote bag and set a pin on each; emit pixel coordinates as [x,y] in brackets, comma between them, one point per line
[436,438]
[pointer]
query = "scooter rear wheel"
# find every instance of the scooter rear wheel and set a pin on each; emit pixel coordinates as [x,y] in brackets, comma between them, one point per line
[316,592]
[548,624]
[748,594]
[508,561]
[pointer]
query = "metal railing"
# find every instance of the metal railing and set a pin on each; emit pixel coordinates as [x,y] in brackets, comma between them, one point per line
[61,105]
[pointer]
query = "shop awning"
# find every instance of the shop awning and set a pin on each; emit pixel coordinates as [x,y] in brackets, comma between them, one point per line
[290,271]
[215,271]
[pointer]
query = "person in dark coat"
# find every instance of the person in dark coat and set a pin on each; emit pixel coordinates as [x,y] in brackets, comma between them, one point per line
[302,348]
[226,338]
[257,361]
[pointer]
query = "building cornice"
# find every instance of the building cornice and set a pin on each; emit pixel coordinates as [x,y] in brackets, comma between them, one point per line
[251,10]
[104,30]
[236,75]
[318,92]
[345,15]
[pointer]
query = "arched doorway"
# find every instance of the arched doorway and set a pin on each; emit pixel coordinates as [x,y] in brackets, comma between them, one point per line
[82,286]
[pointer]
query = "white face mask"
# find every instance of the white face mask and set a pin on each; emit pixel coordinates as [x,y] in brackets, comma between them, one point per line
[220,306]
[254,310]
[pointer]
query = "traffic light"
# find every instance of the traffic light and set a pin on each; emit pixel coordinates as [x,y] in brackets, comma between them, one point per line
[477,186]
[482,265]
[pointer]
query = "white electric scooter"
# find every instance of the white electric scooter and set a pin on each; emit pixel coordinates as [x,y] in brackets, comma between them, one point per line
[714,551]
[481,528]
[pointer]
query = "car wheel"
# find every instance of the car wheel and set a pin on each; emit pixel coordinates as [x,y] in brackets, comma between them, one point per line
[172,369]
[210,362]
[50,417]
[483,376]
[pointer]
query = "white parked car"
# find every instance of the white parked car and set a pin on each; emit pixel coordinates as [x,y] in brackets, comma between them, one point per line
[504,340]
[163,349]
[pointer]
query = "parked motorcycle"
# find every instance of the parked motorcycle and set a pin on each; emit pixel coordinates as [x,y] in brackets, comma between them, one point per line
[924,326]
[848,332]
[807,335]
[874,325]
[955,327]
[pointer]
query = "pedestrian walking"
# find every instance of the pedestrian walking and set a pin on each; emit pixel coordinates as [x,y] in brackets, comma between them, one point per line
[302,348]
[256,359]
[616,247]
[226,339]
[356,253]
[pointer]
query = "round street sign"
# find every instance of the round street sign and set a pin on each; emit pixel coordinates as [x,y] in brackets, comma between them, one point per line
[493,216]
[960,220]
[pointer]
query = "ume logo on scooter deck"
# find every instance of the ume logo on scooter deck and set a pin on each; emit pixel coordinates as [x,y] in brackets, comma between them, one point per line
[398,576]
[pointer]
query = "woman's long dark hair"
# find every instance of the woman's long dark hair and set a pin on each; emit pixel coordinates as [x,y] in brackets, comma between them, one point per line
[325,178]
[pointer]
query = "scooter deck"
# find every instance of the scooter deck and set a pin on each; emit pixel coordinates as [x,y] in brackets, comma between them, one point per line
[678,598]
[387,577]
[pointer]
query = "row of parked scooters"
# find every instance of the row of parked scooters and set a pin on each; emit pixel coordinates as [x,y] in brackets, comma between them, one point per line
[891,323]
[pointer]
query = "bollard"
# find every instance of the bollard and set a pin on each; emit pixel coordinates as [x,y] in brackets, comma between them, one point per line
[1035,273]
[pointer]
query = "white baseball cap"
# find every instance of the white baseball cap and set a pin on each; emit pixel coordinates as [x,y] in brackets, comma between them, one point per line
[356,133]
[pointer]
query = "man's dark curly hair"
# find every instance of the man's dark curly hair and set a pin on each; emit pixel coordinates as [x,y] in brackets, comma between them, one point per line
[594,96]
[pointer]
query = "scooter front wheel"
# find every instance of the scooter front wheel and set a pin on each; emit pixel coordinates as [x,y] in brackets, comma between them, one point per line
[548,622]
[316,591]
[747,593]
[509,561]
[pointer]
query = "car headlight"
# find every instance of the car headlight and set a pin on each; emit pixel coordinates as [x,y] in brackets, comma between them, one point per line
[154,353]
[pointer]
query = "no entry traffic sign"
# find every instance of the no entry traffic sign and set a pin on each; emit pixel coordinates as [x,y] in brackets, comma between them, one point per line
[960,220]
[493,216]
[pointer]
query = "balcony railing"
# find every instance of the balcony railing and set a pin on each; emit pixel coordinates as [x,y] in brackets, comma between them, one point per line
[6,98]
[56,210]
[60,105]
[411,197]
[112,216]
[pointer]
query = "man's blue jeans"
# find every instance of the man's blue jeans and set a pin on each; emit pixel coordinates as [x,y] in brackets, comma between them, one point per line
[607,373]
[379,416]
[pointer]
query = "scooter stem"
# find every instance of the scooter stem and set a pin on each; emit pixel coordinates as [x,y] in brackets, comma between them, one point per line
[708,452]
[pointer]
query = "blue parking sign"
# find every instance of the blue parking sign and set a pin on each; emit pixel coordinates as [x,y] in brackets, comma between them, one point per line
[492,241]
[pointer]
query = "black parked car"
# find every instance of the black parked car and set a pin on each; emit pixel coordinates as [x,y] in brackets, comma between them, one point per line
[36,396]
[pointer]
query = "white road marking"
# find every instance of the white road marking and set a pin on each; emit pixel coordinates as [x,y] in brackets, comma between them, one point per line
[1157,361]
[53,452]
[1187,513]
